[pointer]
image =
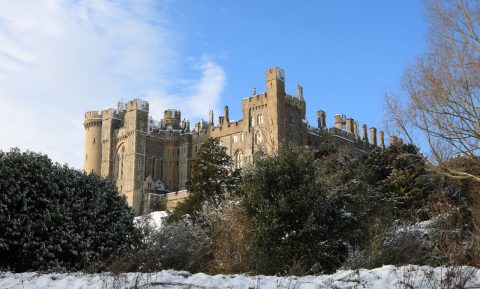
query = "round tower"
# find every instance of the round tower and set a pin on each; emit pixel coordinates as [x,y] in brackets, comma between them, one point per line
[93,142]
[172,118]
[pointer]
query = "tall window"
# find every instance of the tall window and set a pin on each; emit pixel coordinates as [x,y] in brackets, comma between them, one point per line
[258,137]
[153,168]
[235,138]
[120,162]
[260,119]
[238,159]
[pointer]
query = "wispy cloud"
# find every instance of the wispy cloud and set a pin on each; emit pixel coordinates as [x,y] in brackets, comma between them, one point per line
[195,98]
[59,59]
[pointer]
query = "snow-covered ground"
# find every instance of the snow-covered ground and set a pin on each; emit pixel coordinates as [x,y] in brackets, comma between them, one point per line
[380,278]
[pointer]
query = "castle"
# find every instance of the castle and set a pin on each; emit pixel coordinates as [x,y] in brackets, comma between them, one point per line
[146,159]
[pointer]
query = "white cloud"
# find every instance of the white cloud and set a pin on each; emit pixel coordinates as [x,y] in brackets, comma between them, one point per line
[59,59]
[197,97]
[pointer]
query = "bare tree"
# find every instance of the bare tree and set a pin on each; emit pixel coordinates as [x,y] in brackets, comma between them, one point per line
[440,94]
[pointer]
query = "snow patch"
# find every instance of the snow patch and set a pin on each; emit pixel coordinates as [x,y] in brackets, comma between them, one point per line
[154,219]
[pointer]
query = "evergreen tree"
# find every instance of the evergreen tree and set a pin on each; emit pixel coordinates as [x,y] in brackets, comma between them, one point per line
[54,217]
[296,223]
[212,178]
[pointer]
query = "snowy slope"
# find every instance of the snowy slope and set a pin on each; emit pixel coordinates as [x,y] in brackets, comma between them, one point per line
[380,278]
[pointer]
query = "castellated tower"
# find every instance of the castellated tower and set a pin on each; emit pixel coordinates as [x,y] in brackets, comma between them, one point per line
[275,81]
[93,142]
[145,158]
[172,118]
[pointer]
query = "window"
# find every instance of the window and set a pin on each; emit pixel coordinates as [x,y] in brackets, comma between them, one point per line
[258,137]
[238,159]
[120,162]
[260,119]
[242,136]
[93,140]
[153,168]
[235,138]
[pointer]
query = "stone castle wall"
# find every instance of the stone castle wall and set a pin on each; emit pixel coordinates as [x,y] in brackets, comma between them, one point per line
[145,158]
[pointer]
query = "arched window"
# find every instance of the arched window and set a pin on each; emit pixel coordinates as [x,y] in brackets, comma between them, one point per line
[258,137]
[120,162]
[238,159]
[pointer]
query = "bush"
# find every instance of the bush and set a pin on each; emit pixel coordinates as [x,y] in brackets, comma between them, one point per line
[296,224]
[173,246]
[54,217]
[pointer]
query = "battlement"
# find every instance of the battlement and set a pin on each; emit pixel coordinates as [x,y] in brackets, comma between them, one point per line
[92,118]
[94,114]
[294,101]
[260,96]
[172,113]
[112,113]
[138,104]
[275,73]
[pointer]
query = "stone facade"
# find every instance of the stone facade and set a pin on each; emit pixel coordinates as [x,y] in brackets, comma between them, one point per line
[146,159]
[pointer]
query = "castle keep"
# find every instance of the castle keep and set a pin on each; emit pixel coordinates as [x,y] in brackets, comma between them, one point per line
[145,158]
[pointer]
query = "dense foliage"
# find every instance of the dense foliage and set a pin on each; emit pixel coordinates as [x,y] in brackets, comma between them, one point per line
[211,180]
[54,217]
[296,222]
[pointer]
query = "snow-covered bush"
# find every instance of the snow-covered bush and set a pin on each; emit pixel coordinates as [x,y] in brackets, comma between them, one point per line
[171,246]
[54,217]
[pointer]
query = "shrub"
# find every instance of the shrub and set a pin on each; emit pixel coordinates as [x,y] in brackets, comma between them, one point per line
[296,224]
[54,217]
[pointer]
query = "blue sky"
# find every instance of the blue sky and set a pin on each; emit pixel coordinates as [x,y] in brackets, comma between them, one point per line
[61,58]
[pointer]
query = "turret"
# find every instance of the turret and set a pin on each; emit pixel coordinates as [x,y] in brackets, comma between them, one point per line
[172,117]
[93,142]
[373,136]
[275,96]
[299,92]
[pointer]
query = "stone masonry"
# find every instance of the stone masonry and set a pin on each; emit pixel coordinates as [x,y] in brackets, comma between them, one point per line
[147,159]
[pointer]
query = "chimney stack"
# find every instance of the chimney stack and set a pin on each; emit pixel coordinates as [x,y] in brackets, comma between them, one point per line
[350,125]
[356,132]
[322,119]
[364,134]
[225,114]
[382,140]
[210,117]
[373,136]
[338,121]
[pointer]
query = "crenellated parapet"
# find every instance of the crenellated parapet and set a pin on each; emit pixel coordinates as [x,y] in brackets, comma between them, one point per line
[92,118]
